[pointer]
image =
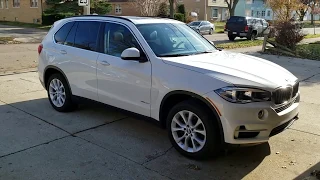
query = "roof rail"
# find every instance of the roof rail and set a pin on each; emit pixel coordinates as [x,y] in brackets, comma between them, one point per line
[92,15]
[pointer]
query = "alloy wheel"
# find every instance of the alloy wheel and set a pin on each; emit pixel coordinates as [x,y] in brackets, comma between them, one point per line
[57,92]
[188,131]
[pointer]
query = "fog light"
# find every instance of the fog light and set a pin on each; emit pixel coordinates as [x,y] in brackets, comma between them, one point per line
[261,114]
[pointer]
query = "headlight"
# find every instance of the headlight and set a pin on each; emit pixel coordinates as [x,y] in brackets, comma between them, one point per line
[243,95]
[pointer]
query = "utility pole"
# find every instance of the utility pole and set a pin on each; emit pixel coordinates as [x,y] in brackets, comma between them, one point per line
[205,10]
[86,9]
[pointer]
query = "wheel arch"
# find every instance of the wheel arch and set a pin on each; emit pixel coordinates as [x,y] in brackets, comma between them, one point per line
[179,96]
[49,70]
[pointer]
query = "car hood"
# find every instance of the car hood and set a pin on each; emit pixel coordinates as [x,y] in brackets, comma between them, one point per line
[236,68]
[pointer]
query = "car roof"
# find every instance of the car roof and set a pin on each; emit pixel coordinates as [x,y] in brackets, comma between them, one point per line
[132,19]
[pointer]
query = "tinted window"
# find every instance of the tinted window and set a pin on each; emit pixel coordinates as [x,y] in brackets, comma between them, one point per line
[117,39]
[86,35]
[195,23]
[62,33]
[71,36]
[174,39]
[237,19]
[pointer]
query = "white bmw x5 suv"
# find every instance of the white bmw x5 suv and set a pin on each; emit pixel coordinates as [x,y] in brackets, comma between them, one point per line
[164,70]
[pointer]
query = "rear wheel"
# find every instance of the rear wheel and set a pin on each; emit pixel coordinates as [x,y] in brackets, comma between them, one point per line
[192,130]
[59,93]
[231,37]
[253,36]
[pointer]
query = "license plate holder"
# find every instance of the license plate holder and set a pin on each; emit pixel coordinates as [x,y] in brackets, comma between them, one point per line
[234,32]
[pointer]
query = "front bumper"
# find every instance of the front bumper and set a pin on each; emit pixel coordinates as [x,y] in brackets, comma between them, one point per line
[241,124]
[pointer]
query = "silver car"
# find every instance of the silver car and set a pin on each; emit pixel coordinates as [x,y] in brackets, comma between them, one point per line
[202,27]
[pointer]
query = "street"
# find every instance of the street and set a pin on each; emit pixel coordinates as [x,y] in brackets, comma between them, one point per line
[99,142]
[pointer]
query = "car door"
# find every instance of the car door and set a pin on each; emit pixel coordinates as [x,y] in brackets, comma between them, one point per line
[78,55]
[202,27]
[122,83]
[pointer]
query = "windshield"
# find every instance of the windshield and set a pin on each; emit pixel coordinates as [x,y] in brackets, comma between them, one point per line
[195,23]
[173,39]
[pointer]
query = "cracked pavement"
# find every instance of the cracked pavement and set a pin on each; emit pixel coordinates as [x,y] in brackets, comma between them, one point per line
[99,142]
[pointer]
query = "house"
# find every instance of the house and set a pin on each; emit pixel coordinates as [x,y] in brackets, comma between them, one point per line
[28,11]
[253,8]
[213,10]
[123,8]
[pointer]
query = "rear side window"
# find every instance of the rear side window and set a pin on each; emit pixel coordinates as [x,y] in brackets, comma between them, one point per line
[63,32]
[86,35]
[71,36]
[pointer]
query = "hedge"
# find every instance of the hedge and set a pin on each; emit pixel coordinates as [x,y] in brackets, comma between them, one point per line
[49,19]
[179,17]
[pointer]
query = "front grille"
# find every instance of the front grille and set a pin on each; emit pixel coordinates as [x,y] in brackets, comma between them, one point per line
[295,89]
[282,108]
[283,95]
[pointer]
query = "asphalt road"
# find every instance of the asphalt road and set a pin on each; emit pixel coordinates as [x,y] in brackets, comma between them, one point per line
[96,142]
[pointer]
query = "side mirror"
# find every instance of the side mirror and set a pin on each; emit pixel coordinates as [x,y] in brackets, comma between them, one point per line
[131,54]
[212,42]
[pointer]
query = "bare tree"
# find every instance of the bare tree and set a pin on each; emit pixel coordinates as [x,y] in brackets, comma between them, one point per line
[283,9]
[232,6]
[147,7]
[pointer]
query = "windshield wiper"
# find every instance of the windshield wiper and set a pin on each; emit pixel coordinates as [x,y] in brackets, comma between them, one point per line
[203,52]
[174,55]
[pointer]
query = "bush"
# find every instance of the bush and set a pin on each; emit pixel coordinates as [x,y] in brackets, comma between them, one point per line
[181,9]
[179,17]
[163,10]
[49,19]
[288,34]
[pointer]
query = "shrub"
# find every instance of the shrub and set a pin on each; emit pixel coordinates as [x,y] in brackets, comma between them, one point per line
[288,34]
[49,19]
[189,19]
[179,17]
[163,10]
[181,9]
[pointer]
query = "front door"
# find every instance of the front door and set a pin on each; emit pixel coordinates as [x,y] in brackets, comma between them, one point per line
[122,83]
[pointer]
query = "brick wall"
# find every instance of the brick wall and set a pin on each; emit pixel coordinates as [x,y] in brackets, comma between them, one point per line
[24,13]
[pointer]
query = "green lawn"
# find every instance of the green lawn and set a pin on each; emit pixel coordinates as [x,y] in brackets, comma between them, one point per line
[240,43]
[219,27]
[307,24]
[309,36]
[309,51]
[27,25]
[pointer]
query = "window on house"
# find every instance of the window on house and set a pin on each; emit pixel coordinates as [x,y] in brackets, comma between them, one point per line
[263,13]
[16,3]
[215,13]
[258,13]
[252,13]
[214,1]
[269,13]
[248,1]
[118,9]
[33,3]
[1,4]
[7,3]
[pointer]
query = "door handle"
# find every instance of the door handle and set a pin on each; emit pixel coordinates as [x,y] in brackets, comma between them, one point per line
[63,52]
[104,63]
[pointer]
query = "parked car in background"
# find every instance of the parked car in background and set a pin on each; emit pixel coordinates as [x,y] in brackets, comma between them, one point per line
[202,27]
[245,27]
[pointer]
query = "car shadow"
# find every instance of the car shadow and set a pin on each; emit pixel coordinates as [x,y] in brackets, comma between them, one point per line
[151,141]
[310,174]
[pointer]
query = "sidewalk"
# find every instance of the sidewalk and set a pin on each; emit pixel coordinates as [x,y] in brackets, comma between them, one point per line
[22,34]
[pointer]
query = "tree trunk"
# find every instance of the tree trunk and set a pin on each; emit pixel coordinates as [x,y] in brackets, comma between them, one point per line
[171,9]
[231,11]
[312,19]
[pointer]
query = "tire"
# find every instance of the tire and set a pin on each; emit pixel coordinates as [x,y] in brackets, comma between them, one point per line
[252,36]
[211,31]
[207,145]
[231,38]
[57,81]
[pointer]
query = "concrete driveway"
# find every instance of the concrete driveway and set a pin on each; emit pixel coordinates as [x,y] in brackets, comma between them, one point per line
[98,142]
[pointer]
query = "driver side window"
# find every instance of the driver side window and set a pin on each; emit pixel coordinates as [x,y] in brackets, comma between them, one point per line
[117,38]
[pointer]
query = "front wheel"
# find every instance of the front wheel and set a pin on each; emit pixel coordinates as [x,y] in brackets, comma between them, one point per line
[211,31]
[192,130]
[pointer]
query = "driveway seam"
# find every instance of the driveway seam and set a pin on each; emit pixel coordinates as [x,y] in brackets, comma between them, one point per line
[33,146]
[141,164]
[304,132]
[306,79]
[84,130]
[156,157]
